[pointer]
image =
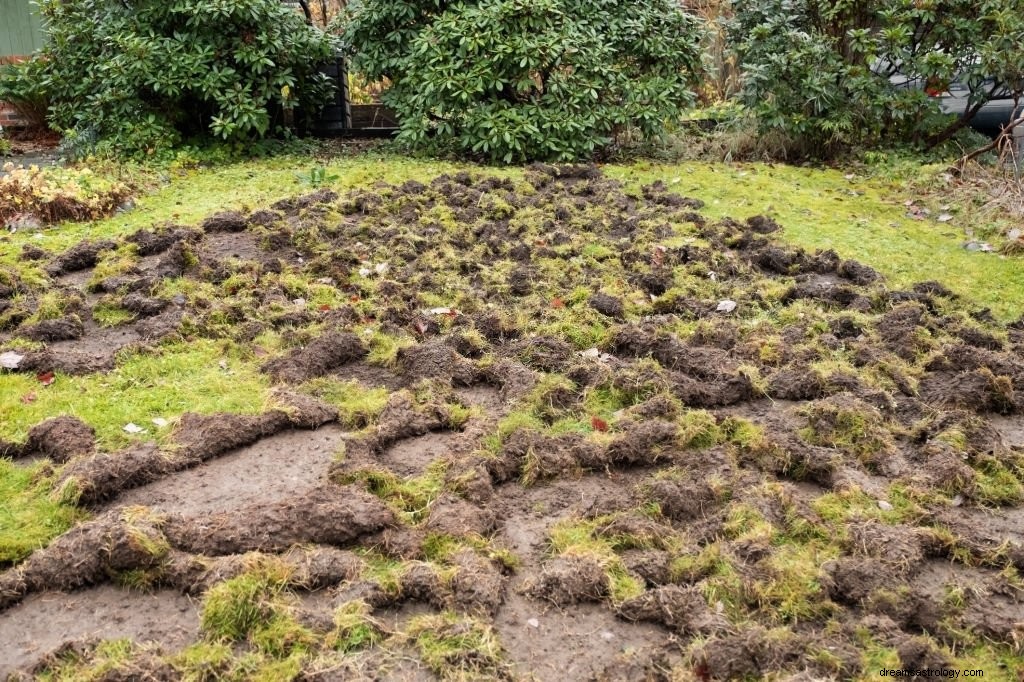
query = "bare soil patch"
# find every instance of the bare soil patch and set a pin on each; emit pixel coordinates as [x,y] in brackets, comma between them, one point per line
[273,469]
[43,622]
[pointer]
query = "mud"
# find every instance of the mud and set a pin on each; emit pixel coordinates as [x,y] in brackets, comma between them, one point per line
[43,622]
[273,469]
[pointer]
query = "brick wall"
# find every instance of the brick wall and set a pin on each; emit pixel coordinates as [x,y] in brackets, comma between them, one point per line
[9,117]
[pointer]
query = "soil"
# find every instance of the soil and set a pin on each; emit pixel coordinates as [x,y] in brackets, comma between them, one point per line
[273,469]
[412,456]
[43,622]
[587,456]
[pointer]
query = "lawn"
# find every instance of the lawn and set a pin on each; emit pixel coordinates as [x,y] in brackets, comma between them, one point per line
[648,395]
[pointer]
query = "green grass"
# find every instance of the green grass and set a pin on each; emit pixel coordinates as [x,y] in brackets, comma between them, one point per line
[29,517]
[165,382]
[861,219]
[358,405]
[455,647]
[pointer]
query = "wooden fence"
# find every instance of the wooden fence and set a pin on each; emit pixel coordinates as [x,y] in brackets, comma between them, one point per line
[20,28]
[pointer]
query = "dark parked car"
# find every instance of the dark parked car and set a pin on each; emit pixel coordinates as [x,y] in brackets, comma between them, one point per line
[992,116]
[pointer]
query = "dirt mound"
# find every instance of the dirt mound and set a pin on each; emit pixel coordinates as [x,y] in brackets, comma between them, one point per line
[570,580]
[327,352]
[59,439]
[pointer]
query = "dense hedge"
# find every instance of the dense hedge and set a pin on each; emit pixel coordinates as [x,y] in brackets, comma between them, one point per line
[517,80]
[139,75]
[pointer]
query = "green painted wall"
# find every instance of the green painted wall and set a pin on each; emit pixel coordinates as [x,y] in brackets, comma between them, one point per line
[20,28]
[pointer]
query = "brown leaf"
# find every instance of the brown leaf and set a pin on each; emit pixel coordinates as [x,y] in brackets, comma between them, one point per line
[46,378]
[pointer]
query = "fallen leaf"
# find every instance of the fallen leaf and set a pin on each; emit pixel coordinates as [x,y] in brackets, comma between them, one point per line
[46,378]
[28,398]
[10,360]
[442,311]
[353,298]
[324,308]
[599,424]
[133,428]
[557,303]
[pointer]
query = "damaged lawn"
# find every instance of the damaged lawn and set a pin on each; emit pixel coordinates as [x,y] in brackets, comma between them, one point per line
[555,423]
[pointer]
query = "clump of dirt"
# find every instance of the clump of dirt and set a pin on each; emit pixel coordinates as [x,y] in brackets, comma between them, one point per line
[645,442]
[568,580]
[62,329]
[453,516]
[326,515]
[681,609]
[226,221]
[82,256]
[684,499]
[534,456]
[326,353]
[435,360]
[58,438]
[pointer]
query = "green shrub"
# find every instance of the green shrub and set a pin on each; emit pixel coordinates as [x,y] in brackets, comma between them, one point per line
[518,80]
[21,86]
[139,76]
[818,74]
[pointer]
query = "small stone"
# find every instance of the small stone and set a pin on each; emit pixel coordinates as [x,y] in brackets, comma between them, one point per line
[884,506]
[726,306]
[299,302]
[10,360]
[160,422]
[533,623]
[957,501]
[607,636]
[133,428]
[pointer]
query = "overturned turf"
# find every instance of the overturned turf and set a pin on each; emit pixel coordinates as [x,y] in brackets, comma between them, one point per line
[797,465]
